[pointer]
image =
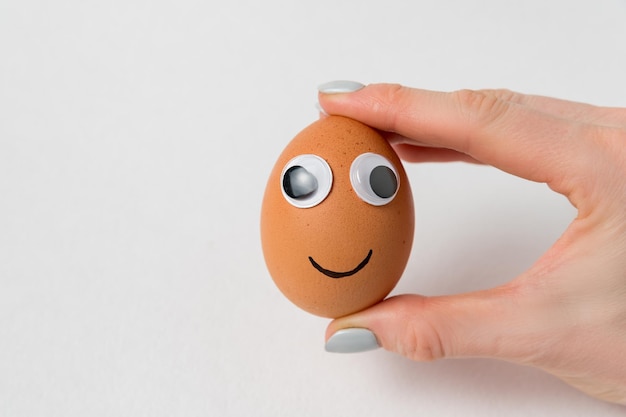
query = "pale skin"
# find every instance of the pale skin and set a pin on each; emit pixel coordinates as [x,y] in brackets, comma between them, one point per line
[567,313]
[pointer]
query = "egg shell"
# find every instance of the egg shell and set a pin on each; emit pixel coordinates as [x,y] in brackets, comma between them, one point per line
[339,232]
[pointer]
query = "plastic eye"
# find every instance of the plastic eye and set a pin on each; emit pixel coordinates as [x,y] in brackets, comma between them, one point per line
[306,180]
[374,179]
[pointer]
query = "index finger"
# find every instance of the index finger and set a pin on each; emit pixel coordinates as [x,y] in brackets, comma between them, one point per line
[510,136]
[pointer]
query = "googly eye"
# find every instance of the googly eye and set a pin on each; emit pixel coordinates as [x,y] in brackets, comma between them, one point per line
[374,179]
[306,180]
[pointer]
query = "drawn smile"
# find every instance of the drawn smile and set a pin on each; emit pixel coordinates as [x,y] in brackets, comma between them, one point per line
[334,274]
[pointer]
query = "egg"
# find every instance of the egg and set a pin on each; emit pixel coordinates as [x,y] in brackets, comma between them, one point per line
[337,218]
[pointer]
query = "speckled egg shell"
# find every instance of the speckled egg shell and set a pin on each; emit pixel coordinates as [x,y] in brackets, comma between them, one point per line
[339,232]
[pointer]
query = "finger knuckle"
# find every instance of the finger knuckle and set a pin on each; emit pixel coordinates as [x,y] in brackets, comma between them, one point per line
[391,96]
[478,111]
[418,340]
[480,107]
[504,94]
[422,344]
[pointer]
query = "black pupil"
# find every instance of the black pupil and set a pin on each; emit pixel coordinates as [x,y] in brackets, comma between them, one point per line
[298,182]
[383,181]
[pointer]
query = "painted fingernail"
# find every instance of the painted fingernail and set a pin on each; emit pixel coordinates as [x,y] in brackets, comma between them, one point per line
[352,341]
[339,86]
[320,109]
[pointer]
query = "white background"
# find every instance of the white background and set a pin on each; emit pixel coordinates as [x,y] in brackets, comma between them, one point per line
[135,141]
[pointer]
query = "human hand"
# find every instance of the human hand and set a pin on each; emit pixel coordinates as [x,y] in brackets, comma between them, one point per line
[567,313]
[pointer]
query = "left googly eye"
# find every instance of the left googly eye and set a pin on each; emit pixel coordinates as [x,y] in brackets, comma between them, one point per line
[306,181]
[374,179]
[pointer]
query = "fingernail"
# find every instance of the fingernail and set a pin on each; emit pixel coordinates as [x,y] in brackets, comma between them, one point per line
[320,109]
[339,86]
[352,341]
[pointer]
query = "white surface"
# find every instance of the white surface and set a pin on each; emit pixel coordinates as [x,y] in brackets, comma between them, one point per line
[135,141]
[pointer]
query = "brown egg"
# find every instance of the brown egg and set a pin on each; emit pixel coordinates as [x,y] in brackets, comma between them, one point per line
[337,219]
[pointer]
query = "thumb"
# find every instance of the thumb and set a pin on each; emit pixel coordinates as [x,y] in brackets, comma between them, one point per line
[479,324]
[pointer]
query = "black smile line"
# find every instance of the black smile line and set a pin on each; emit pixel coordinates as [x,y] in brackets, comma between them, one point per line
[334,274]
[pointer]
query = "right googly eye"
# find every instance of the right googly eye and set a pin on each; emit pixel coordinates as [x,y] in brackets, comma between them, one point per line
[306,181]
[374,179]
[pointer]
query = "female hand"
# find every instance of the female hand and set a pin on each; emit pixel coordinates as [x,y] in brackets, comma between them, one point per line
[567,313]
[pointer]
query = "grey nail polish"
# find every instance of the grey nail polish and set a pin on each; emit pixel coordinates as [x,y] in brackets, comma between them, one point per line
[339,86]
[352,341]
[320,109]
